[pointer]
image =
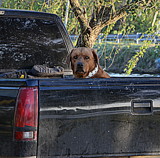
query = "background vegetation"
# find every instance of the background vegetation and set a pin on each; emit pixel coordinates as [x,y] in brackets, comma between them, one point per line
[115,57]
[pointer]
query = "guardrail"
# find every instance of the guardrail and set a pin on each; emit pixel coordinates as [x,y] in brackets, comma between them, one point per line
[139,37]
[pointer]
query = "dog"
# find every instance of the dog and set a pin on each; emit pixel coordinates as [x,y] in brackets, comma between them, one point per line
[85,63]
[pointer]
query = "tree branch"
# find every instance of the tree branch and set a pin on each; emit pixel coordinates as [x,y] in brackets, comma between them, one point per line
[106,16]
[80,14]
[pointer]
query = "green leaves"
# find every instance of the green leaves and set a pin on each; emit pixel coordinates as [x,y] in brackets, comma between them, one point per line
[135,58]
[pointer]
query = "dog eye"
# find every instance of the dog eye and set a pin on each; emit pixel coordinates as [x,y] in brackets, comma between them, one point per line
[86,57]
[75,57]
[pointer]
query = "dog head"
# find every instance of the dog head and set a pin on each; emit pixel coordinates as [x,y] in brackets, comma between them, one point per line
[83,60]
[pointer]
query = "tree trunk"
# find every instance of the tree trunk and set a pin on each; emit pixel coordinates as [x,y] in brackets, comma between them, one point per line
[88,38]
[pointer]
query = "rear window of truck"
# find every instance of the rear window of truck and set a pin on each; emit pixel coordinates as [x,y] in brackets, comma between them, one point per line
[25,42]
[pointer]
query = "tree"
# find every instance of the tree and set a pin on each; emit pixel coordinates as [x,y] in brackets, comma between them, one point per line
[102,13]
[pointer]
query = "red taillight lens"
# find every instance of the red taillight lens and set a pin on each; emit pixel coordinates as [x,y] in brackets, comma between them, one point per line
[26,114]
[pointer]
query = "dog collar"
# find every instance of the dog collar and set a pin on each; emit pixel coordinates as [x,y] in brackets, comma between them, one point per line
[92,73]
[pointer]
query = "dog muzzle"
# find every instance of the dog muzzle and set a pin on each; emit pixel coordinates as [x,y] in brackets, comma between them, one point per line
[92,73]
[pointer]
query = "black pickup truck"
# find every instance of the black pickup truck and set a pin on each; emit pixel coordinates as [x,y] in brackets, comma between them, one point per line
[60,117]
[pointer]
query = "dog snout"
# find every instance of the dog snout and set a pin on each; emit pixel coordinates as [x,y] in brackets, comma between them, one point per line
[79,68]
[79,65]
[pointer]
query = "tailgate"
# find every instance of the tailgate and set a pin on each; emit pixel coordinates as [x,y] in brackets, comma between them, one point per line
[9,146]
[99,117]
[8,97]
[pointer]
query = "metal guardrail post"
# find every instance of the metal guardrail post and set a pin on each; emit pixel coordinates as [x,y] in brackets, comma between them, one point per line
[138,37]
[119,37]
[100,37]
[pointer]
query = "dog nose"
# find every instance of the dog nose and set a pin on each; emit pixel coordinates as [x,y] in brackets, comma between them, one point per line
[79,65]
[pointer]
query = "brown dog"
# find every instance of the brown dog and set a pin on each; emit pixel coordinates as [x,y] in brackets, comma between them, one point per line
[85,63]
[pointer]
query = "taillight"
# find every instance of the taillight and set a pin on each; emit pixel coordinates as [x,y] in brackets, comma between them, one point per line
[26,114]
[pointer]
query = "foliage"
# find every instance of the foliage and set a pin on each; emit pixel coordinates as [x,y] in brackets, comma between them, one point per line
[141,57]
[135,58]
[140,21]
[55,7]
[23,4]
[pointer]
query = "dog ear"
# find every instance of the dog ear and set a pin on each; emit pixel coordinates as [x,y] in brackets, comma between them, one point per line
[95,56]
